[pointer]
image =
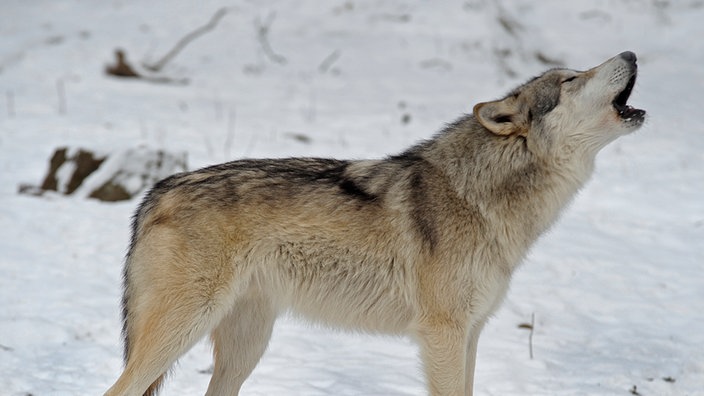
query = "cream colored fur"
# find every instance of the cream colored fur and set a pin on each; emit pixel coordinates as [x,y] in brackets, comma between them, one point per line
[420,244]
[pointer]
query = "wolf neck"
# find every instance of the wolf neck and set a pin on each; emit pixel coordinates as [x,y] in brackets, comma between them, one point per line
[506,183]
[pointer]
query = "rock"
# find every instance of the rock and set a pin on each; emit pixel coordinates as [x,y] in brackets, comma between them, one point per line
[68,168]
[115,177]
[127,173]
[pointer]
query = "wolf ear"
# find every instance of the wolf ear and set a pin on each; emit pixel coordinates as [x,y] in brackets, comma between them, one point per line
[502,117]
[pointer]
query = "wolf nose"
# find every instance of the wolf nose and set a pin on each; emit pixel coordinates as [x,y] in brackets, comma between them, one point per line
[628,56]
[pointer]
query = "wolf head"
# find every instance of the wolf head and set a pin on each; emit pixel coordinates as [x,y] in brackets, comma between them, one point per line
[578,111]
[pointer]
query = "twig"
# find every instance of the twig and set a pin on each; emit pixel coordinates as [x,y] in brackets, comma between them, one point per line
[329,60]
[530,336]
[181,44]
[310,112]
[10,95]
[217,106]
[61,93]
[530,326]
[208,144]
[263,36]
[250,146]
[123,69]
[230,132]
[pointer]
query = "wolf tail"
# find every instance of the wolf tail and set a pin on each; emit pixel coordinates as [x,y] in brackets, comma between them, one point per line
[128,330]
[161,320]
[127,283]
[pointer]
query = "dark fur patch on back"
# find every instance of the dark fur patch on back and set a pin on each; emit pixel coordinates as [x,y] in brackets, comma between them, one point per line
[422,212]
[349,187]
[221,183]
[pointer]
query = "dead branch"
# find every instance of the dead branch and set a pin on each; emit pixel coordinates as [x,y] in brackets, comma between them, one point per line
[10,97]
[61,94]
[530,336]
[181,44]
[230,137]
[121,68]
[263,29]
[329,60]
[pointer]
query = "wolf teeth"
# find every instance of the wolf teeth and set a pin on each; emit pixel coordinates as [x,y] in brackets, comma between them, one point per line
[629,113]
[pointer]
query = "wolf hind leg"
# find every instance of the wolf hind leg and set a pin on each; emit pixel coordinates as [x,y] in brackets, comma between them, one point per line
[239,341]
[167,312]
[159,336]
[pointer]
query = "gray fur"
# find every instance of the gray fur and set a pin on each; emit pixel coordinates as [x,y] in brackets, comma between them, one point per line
[422,243]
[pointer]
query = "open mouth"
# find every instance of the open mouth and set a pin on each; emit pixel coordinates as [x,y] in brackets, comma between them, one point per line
[626,112]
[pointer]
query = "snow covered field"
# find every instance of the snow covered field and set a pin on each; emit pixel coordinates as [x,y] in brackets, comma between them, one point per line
[616,288]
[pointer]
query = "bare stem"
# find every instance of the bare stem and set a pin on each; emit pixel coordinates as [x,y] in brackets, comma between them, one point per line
[530,336]
[263,28]
[61,94]
[181,44]
[329,60]
[229,139]
[10,95]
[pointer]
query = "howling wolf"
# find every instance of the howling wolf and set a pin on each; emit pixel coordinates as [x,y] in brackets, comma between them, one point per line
[422,243]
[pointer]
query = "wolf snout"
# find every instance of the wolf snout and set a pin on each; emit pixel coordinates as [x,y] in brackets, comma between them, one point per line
[628,56]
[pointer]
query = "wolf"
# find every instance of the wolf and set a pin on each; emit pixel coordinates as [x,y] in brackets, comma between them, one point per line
[422,243]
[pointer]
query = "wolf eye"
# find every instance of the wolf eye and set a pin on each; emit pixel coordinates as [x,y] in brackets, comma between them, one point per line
[569,79]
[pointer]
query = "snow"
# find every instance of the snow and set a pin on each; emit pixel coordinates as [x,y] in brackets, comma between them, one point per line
[134,169]
[616,287]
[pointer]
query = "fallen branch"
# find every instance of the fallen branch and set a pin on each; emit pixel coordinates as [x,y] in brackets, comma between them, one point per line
[329,60]
[263,36]
[61,94]
[10,98]
[181,44]
[530,336]
[123,69]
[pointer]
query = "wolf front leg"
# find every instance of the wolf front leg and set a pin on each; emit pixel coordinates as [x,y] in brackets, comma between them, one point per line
[471,357]
[443,346]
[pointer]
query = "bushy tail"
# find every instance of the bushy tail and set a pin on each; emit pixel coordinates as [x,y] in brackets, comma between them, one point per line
[127,288]
[155,386]
[127,327]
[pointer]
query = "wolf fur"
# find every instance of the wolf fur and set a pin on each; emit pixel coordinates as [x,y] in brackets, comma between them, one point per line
[422,243]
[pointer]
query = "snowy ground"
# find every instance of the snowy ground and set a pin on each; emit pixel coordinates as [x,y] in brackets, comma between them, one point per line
[617,287]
